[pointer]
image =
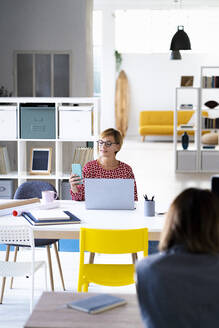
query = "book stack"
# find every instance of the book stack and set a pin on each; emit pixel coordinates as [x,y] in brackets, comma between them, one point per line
[210,82]
[82,155]
[5,167]
[45,217]
[210,123]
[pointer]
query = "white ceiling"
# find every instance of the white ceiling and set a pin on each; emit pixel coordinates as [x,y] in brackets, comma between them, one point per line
[155,4]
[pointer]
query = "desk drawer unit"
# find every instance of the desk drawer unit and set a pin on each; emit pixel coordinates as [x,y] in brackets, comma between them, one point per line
[6,189]
[8,122]
[37,122]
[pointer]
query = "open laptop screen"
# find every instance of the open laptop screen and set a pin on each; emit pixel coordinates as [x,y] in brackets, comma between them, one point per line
[109,194]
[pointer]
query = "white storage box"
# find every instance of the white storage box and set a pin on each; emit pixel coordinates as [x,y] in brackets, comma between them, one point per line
[75,122]
[8,122]
[186,160]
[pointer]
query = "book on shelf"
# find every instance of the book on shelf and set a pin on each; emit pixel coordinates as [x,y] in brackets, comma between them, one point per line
[82,155]
[210,123]
[97,304]
[36,218]
[210,81]
[5,166]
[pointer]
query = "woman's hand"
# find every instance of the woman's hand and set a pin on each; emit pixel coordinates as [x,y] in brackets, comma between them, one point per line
[74,181]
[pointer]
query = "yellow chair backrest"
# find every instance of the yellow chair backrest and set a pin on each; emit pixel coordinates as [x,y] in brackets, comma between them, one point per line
[109,242]
[114,241]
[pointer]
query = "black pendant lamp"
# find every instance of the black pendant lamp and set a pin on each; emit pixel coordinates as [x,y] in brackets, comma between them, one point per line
[180,41]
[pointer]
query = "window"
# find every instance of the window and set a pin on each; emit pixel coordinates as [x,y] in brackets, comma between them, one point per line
[42,74]
[151,31]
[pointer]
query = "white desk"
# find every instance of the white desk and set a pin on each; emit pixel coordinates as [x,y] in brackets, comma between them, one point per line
[103,219]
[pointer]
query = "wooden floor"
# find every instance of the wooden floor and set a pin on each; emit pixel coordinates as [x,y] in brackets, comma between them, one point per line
[153,166]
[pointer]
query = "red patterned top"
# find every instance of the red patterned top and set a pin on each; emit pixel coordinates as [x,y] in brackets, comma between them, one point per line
[94,170]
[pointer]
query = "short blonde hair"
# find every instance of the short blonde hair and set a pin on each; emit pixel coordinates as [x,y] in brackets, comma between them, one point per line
[193,221]
[115,134]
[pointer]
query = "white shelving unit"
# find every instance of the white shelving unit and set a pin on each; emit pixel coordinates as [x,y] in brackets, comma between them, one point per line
[76,124]
[186,160]
[209,158]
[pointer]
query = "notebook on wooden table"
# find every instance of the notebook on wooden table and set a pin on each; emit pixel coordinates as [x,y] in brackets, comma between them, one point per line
[97,304]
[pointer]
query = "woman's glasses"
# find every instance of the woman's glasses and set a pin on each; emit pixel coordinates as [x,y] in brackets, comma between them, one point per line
[106,143]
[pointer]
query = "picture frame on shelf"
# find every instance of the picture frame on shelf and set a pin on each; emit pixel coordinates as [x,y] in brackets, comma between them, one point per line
[187,81]
[40,160]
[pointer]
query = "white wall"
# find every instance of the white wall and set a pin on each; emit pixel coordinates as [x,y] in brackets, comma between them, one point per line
[48,25]
[154,77]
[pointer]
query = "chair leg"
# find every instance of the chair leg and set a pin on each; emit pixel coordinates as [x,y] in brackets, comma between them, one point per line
[91,258]
[4,278]
[85,287]
[59,265]
[15,259]
[50,267]
[134,257]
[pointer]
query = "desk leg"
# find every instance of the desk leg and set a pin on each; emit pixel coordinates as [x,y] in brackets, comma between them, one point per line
[4,278]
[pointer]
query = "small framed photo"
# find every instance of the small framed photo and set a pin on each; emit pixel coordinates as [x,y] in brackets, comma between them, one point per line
[40,160]
[187,81]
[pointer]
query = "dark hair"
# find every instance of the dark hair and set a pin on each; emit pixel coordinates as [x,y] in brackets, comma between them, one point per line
[114,133]
[193,221]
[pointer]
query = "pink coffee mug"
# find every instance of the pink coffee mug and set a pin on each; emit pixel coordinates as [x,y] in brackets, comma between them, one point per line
[48,196]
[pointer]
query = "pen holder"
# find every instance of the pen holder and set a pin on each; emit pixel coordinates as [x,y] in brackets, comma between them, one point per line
[149,208]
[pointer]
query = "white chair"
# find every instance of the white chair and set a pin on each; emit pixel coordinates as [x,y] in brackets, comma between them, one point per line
[20,235]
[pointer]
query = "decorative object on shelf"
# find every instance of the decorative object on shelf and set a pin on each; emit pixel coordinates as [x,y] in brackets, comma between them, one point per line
[211,104]
[4,92]
[40,160]
[122,103]
[210,138]
[185,140]
[187,81]
[5,166]
[180,41]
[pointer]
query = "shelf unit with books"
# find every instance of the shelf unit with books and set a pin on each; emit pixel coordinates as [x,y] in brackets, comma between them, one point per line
[186,160]
[74,123]
[209,97]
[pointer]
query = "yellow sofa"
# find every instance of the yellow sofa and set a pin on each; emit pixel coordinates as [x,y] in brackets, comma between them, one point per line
[160,122]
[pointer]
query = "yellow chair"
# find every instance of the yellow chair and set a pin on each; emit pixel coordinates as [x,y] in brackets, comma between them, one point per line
[109,242]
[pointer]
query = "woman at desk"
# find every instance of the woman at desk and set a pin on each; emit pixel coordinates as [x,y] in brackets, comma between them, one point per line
[106,166]
[179,287]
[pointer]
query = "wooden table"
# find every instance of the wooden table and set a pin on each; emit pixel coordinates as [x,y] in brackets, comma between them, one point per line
[103,219]
[51,312]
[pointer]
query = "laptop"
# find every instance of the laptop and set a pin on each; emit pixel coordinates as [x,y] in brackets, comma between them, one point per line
[109,194]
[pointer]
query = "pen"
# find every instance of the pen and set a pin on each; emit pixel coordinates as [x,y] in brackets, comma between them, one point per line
[152,198]
[145,197]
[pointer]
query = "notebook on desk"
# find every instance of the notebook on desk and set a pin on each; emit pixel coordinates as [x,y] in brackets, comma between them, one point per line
[109,194]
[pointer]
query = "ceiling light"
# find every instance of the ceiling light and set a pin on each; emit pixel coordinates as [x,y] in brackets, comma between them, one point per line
[180,40]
